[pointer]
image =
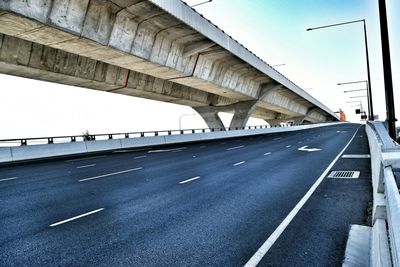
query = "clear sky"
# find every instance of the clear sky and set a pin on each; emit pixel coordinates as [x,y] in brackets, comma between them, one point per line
[275,30]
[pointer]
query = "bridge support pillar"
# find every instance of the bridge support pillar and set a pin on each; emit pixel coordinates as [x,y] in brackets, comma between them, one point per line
[243,110]
[242,113]
[298,120]
[210,116]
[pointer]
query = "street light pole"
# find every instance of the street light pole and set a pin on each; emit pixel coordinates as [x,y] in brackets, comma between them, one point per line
[371,111]
[369,92]
[369,98]
[387,71]
[183,115]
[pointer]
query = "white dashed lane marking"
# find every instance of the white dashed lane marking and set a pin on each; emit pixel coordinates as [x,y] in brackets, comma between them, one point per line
[86,166]
[109,174]
[76,217]
[235,147]
[189,180]
[8,179]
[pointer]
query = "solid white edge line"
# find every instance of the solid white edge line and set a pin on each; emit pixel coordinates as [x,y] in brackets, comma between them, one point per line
[238,163]
[8,179]
[86,166]
[288,146]
[189,180]
[268,153]
[260,253]
[109,174]
[139,157]
[235,147]
[166,150]
[76,217]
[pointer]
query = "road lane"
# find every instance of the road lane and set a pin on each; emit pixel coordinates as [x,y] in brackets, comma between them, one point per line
[150,218]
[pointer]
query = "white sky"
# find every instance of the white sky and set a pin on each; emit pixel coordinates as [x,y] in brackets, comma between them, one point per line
[273,30]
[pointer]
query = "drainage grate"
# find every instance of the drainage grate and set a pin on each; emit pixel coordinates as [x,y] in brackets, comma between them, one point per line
[344,174]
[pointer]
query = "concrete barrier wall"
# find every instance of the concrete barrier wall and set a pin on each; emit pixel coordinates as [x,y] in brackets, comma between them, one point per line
[47,150]
[5,154]
[385,155]
[34,152]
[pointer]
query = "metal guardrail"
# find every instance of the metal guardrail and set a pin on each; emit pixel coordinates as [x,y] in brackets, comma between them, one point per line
[385,155]
[93,137]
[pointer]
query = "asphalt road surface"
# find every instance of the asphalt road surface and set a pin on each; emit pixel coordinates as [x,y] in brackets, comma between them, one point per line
[200,204]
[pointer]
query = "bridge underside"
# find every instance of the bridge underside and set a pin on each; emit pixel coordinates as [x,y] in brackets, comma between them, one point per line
[135,48]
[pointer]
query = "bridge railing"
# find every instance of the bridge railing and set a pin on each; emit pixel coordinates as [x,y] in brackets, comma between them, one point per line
[385,158]
[92,137]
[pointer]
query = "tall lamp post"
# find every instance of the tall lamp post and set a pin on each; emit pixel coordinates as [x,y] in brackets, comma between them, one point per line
[369,98]
[387,70]
[366,55]
[183,115]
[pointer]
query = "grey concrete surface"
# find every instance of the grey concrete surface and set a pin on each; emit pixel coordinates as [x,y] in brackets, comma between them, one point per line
[161,50]
[150,219]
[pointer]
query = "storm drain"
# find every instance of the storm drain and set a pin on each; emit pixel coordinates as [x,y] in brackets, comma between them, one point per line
[344,174]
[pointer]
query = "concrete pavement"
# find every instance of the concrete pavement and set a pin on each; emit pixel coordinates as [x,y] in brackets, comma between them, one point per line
[210,203]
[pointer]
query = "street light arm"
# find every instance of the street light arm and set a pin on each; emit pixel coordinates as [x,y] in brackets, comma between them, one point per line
[205,2]
[337,24]
[355,90]
[365,81]
[358,96]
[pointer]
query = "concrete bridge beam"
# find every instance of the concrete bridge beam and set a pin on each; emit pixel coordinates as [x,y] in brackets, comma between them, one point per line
[185,58]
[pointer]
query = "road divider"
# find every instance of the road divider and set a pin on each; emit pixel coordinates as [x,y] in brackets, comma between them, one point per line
[51,150]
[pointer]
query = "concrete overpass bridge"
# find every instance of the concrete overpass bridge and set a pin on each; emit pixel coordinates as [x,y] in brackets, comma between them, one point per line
[155,49]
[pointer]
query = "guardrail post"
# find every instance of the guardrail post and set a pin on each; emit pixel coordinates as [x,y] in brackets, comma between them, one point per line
[23,142]
[73,139]
[203,130]
[126,135]
[110,136]
[50,140]
[193,131]
[141,134]
[155,133]
[169,132]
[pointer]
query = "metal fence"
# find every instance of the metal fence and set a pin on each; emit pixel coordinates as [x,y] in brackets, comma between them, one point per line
[90,137]
[385,158]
